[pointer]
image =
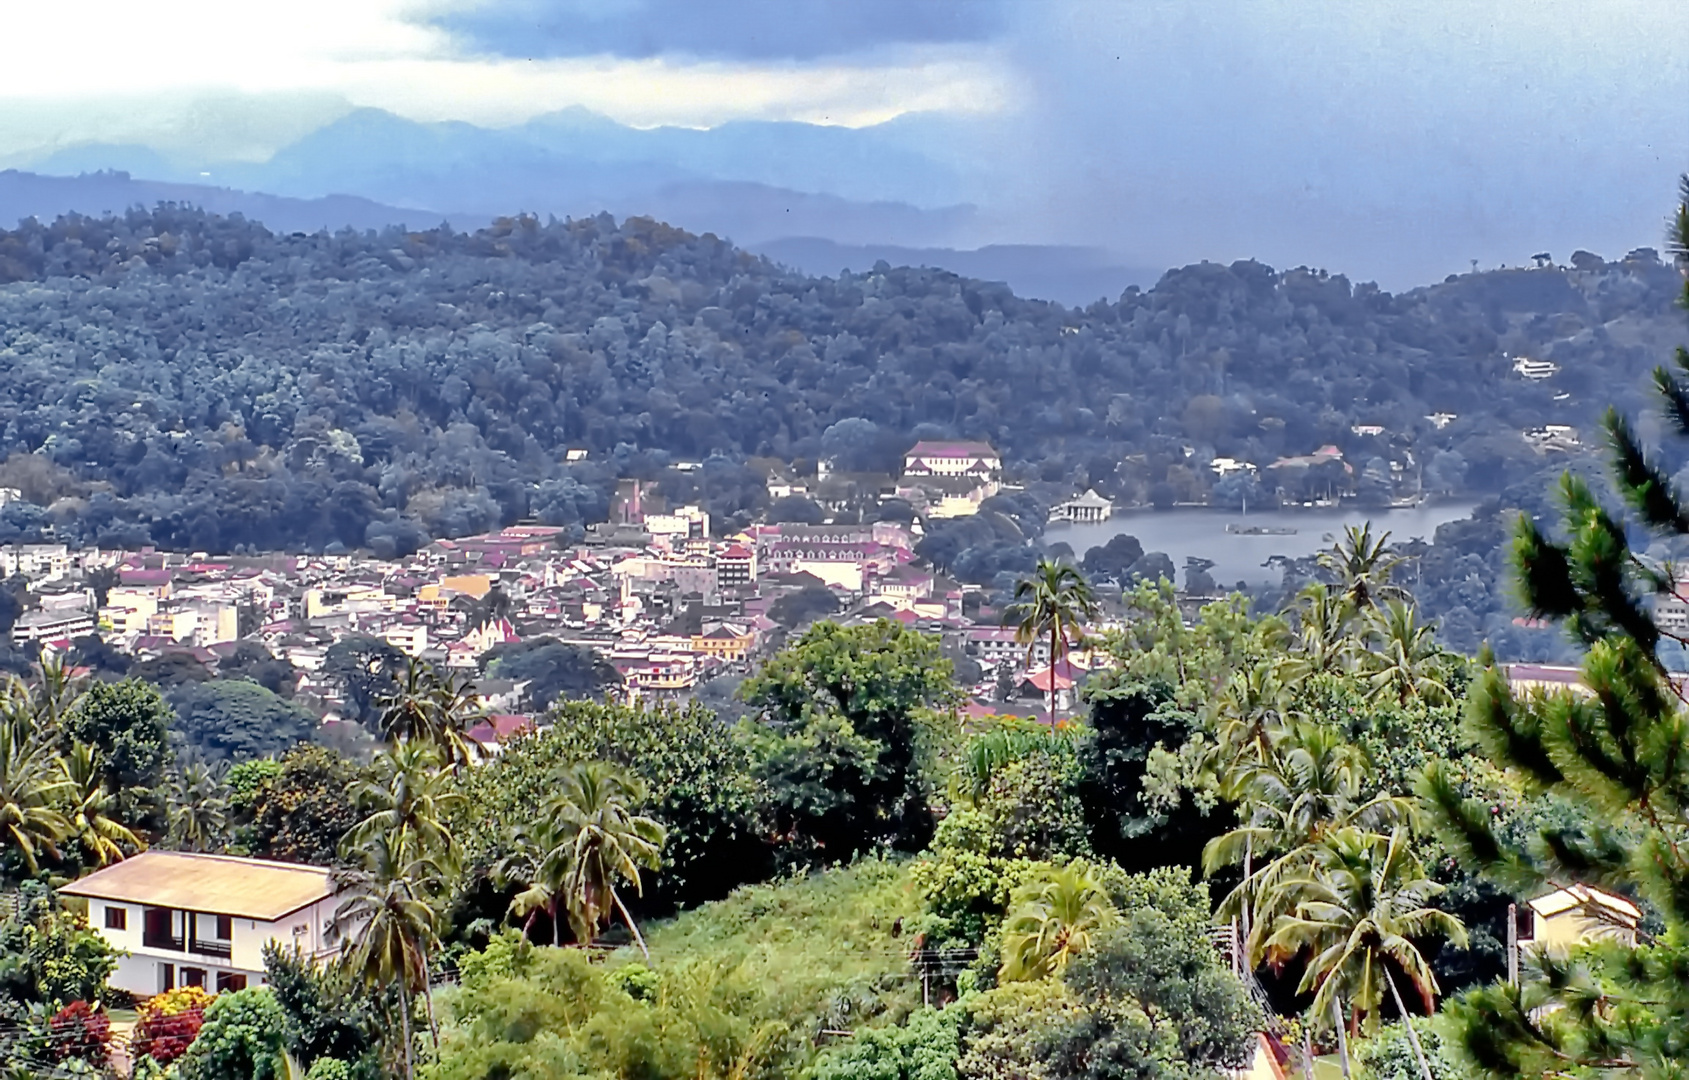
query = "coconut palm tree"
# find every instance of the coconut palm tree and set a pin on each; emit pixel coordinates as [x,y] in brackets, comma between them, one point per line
[1247,716]
[1355,911]
[1250,717]
[89,818]
[1405,661]
[457,706]
[1363,565]
[387,923]
[32,787]
[46,700]
[1324,640]
[538,858]
[198,808]
[606,843]
[406,707]
[1312,782]
[425,707]
[407,805]
[1053,603]
[1053,920]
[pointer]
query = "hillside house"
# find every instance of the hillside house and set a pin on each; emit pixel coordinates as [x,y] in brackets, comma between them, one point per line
[1535,370]
[183,919]
[725,641]
[1580,915]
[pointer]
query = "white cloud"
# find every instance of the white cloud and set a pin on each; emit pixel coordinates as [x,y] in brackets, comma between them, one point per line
[378,53]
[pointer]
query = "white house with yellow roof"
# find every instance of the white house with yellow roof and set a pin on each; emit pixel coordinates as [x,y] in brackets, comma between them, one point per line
[185,919]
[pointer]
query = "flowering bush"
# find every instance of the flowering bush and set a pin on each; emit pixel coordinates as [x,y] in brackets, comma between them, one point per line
[180,1000]
[169,1023]
[80,1030]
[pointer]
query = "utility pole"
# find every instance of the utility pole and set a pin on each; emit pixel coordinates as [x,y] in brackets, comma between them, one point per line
[1512,944]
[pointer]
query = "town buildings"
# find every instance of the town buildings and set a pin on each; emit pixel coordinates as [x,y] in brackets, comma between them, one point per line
[663,597]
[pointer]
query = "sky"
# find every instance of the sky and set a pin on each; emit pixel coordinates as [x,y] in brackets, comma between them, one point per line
[1391,140]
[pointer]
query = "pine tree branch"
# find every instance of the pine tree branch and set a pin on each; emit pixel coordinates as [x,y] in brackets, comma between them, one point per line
[1642,485]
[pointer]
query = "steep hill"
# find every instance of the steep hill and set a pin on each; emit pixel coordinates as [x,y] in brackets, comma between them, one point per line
[203,383]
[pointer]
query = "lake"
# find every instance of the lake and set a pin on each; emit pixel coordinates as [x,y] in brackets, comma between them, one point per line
[1237,558]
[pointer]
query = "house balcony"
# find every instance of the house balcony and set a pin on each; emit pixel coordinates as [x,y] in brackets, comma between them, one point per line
[220,949]
[158,939]
[182,932]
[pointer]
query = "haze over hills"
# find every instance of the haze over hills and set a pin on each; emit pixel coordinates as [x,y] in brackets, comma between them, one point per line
[1071,275]
[753,182]
[559,153]
[1068,275]
[817,198]
[814,197]
[26,195]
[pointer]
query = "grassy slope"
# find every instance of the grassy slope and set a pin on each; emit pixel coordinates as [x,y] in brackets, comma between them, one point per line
[743,989]
[826,945]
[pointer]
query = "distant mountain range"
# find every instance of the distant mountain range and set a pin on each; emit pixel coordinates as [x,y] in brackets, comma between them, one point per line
[26,194]
[800,230]
[752,182]
[816,198]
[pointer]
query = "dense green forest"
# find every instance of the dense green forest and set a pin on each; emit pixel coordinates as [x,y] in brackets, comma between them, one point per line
[200,383]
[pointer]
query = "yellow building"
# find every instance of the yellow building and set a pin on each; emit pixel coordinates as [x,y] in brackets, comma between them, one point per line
[439,595]
[724,643]
[1580,915]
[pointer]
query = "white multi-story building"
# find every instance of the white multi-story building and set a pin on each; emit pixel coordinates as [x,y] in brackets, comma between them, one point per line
[52,625]
[947,458]
[183,919]
[49,561]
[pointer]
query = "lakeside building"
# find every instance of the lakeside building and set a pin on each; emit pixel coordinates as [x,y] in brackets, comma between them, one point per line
[1087,509]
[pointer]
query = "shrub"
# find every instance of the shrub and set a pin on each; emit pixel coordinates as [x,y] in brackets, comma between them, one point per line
[241,1039]
[82,1031]
[1389,1056]
[923,1049]
[169,1023]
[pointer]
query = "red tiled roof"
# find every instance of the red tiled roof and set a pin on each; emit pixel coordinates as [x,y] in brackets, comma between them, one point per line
[1041,680]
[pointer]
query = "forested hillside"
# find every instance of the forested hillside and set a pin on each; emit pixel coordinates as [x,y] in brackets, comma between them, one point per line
[199,382]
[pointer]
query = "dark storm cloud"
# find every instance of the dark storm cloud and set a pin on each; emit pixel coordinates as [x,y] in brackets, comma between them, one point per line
[754,30]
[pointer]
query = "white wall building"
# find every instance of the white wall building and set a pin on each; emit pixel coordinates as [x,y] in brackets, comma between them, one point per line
[952,458]
[184,919]
[52,625]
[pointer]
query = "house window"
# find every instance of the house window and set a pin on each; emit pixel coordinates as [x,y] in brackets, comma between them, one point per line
[166,977]
[117,918]
[193,977]
[225,927]
[230,980]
